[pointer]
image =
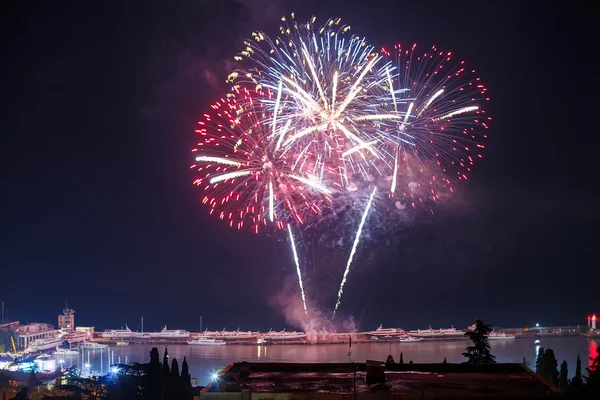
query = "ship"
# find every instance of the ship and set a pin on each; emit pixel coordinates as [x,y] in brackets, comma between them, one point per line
[65,352]
[166,333]
[283,335]
[206,341]
[237,335]
[500,336]
[93,345]
[43,344]
[381,331]
[409,339]
[119,333]
[449,333]
[74,337]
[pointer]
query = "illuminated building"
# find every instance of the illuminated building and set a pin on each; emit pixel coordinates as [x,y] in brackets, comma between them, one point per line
[66,320]
[25,334]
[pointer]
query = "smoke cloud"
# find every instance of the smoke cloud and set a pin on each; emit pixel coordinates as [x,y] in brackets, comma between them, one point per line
[316,323]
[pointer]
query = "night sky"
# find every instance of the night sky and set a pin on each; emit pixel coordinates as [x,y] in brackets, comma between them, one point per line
[98,208]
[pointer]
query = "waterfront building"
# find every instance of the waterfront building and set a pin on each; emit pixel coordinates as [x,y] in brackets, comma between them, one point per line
[66,320]
[25,334]
[375,380]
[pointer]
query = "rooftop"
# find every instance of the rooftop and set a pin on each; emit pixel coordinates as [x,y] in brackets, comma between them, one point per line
[419,380]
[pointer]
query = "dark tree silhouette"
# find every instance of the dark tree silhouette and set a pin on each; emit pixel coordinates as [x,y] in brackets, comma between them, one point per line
[563,380]
[389,360]
[550,367]
[401,358]
[575,388]
[539,361]
[479,353]
[444,362]
[410,362]
[186,378]
[166,362]
[175,378]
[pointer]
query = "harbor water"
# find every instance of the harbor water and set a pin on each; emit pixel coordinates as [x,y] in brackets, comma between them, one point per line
[203,361]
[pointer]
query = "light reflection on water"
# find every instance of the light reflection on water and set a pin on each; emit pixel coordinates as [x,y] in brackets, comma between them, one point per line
[203,360]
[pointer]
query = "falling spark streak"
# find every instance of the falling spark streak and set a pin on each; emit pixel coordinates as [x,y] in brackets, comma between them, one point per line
[271,201]
[393,189]
[387,71]
[354,246]
[311,183]
[334,90]
[282,134]
[428,103]
[359,147]
[276,108]
[230,175]
[456,112]
[410,107]
[297,268]
[219,160]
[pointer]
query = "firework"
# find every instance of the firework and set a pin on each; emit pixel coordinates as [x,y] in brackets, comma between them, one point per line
[247,182]
[298,272]
[325,92]
[443,126]
[353,251]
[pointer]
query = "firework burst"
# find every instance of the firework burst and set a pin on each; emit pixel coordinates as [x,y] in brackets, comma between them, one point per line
[325,89]
[246,181]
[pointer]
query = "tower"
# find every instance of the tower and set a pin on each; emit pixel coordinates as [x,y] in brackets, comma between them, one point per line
[66,320]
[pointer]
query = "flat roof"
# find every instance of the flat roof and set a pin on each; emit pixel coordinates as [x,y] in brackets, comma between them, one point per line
[432,380]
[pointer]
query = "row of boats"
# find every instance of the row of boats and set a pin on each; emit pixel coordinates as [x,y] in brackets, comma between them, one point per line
[421,334]
[166,333]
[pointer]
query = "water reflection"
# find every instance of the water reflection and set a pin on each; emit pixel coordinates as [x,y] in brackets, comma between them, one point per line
[593,352]
[203,360]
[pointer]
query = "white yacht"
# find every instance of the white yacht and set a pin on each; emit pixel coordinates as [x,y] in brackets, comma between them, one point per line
[74,337]
[170,333]
[381,331]
[237,335]
[119,333]
[283,335]
[207,341]
[500,336]
[93,345]
[448,333]
[409,339]
[122,343]
[65,352]
[43,344]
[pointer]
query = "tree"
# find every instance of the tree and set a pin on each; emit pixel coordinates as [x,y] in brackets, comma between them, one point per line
[575,388]
[166,362]
[539,361]
[479,353]
[401,358]
[186,378]
[389,360]
[563,380]
[175,378]
[410,362]
[444,362]
[550,367]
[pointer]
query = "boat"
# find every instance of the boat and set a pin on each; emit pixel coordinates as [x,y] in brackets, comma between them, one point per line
[500,336]
[167,333]
[74,337]
[122,343]
[119,333]
[385,332]
[93,345]
[449,333]
[44,344]
[207,341]
[237,335]
[65,352]
[410,339]
[42,356]
[283,335]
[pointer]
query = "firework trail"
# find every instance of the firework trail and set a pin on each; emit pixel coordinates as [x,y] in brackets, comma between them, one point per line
[246,181]
[354,246]
[297,268]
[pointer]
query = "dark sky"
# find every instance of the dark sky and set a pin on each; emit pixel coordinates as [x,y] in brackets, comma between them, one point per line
[100,100]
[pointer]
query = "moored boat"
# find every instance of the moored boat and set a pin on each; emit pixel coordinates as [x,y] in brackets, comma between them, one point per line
[206,341]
